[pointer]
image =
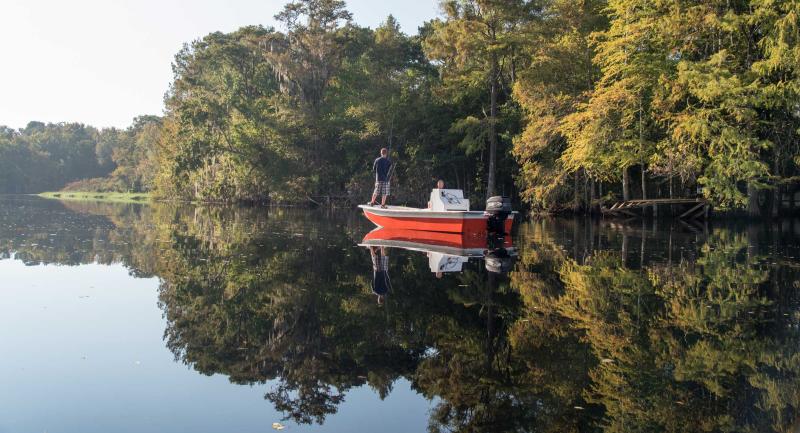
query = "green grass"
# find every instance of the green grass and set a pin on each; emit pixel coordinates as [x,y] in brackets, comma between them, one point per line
[115,197]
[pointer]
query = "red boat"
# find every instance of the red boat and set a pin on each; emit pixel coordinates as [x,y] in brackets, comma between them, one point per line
[446,252]
[449,212]
[427,240]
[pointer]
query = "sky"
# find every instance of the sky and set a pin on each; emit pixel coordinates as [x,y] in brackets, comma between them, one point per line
[103,62]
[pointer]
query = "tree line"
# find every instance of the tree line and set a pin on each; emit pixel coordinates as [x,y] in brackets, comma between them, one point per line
[565,105]
[300,114]
[72,156]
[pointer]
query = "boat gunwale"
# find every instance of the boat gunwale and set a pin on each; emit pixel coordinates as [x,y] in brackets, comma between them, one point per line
[423,247]
[411,212]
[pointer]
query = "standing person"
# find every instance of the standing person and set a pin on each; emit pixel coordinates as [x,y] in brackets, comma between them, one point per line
[380,272]
[381,168]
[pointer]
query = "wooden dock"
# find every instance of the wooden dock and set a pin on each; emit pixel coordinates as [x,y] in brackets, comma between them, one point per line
[695,208]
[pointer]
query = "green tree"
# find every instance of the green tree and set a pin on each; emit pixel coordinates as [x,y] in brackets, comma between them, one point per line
[223,132]
[478,46]
[560,75]
[615,129]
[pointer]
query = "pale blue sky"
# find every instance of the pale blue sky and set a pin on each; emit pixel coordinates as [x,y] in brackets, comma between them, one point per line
[102,62]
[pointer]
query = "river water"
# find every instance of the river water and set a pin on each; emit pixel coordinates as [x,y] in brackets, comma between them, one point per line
[164,318]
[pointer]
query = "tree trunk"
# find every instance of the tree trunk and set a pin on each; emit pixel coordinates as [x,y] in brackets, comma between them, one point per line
[576,195]
[753,209]
[587,199]
[624,250]
[670,187]
[626,189]
[644,191]
[777,201]
[777,192]
[490,184]
[644,184]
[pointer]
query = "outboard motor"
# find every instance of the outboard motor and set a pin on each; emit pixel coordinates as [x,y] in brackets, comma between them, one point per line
[498,208]
[499,260]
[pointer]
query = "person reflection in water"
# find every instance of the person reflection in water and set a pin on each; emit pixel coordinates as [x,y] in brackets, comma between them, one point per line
[380,272]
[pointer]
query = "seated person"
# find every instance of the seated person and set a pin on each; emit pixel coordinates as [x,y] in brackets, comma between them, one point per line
[439,185]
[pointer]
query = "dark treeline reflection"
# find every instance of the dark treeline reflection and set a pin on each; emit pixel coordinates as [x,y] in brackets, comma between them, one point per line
[598,327]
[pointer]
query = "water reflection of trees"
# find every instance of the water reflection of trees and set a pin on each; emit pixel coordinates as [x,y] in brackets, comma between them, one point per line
[694,344]
[277,305]
[598,328]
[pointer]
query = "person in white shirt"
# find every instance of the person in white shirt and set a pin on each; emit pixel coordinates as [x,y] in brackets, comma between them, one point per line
[439,185]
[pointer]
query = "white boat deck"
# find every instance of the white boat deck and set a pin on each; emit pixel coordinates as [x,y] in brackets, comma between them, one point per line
[409,212]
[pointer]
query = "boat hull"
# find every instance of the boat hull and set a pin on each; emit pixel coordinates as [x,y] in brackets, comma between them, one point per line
[397,217]
[430,241]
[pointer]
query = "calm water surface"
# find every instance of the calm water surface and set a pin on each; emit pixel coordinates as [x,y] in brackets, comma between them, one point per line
[131,318]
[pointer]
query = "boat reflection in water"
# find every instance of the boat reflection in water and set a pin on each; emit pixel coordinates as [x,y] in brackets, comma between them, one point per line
[447,252]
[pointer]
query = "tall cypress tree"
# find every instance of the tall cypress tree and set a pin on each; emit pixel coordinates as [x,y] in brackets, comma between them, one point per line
[615,129]
[560,75]
[478,46]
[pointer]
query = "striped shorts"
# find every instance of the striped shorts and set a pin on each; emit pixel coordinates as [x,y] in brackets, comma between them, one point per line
[381,188]
[380,263]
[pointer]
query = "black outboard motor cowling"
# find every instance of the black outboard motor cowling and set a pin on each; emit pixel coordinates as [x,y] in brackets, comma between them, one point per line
[499,260]
[498,208]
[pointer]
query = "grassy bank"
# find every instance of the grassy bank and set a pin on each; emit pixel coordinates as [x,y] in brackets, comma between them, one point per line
[116,197]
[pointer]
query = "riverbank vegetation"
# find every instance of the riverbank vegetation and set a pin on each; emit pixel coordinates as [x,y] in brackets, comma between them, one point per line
[562,104]
[74,157]
[115,197]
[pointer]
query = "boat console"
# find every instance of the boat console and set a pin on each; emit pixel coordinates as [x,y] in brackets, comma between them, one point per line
[442,262]
[448,200]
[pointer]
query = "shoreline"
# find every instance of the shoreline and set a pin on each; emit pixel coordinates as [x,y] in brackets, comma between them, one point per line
[110,197]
